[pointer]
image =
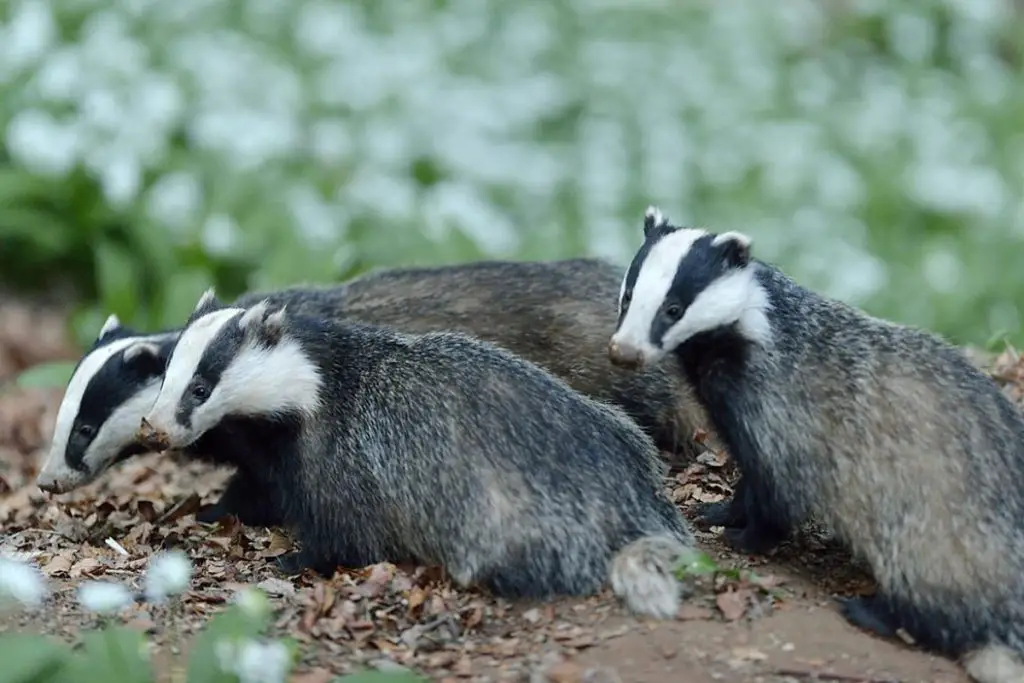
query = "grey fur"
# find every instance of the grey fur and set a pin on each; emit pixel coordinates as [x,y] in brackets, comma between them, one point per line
[557,314]
[891,437]
[443,449]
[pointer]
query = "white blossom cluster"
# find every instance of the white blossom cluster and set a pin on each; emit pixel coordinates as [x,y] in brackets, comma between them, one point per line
[548,122]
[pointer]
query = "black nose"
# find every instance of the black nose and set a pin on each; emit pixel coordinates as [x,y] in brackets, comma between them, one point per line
[625,355]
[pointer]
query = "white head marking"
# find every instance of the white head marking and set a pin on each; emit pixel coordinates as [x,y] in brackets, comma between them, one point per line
[56,469]
[258,379]
[112,323]
[735,297]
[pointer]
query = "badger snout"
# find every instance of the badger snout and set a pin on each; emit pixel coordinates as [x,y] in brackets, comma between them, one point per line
[48,483]
[152,437]
[625,354]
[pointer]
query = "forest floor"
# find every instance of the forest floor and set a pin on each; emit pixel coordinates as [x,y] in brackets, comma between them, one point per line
[777,624]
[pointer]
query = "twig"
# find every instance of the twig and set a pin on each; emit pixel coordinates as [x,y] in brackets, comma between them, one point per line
[835,678]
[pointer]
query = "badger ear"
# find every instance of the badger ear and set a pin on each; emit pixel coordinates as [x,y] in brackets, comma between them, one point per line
[253,316]
[260,321]
[208,303]
[653,219]
[112,324]
[735,248]
[145,357]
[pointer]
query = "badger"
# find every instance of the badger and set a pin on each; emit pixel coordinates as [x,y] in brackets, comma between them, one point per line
[435,448]
[886,432]
[557,314]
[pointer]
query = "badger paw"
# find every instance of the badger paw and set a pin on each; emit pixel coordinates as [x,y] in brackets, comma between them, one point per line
[725,513]
[294,563]
[870,614]
[753,539]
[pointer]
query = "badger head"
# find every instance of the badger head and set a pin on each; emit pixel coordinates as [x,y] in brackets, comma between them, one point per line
[111,388]
[683,282]
[229,362]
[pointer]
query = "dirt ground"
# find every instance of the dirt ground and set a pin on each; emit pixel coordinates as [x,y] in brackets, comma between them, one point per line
[776,625]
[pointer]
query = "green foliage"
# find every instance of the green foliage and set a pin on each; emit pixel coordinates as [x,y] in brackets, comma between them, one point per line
[872,149]
[119,654]
[46,375]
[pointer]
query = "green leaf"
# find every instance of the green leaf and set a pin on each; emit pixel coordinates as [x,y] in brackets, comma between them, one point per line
[47,375]
[696,563]
[31,659]
[231,624]
[112,654]
[117,279]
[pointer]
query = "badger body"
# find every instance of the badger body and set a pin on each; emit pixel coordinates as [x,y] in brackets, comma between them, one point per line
[885,432]
[557,314]
[435,448]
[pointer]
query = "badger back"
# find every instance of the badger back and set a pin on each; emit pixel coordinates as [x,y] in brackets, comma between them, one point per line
[111,387]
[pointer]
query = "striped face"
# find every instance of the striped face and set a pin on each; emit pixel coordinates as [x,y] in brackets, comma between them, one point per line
[112,387]
[231,362]
[683,282]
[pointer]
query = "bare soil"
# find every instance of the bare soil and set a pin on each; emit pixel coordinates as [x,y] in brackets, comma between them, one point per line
[778,624]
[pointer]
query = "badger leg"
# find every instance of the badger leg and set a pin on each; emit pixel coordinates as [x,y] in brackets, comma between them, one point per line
[728,513]
[247,499]
[763,525]
[870,613]
[300,560]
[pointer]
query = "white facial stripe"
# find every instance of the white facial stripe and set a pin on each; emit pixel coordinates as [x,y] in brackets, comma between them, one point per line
[72,401]
[734,298]
[119,429]
[182,366]
[263,381]
[652,284]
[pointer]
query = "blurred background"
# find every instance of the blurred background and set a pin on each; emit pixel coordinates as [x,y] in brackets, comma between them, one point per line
[151,148]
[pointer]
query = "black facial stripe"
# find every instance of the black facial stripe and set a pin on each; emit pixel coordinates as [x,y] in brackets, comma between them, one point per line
[217,356]
[638,261]
[114,383]
[700,266]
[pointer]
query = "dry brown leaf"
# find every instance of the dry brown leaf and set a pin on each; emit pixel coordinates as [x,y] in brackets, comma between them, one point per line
[417,596]
[733,603]
[275,586]
[88,566]
[59,565]
[279,545]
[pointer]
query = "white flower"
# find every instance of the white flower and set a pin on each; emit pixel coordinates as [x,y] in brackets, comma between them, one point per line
[103,597]
[21,582]
[253,602]
[254,662]
[169,573]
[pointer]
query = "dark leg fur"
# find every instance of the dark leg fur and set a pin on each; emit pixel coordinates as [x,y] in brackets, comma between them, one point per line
[950,631]
[253,503]
[870,613]
[752,526]
[295,562]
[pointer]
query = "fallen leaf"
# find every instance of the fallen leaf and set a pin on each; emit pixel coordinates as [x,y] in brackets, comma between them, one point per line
[86,566]
[565,672]
[732,603]
[58,565]
[279,544]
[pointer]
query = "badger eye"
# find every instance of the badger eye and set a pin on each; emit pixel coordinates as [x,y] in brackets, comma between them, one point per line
[627,296]
[85,431]
[200,392]
[674,312]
